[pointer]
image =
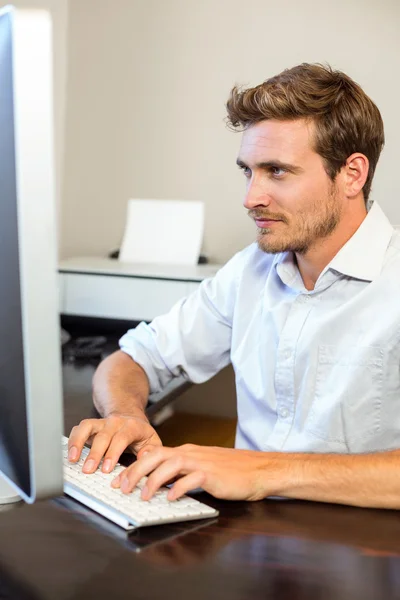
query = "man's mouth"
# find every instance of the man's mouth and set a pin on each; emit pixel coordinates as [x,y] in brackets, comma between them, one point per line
[265,223]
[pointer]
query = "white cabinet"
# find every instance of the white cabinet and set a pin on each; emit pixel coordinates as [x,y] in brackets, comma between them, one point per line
[106,288]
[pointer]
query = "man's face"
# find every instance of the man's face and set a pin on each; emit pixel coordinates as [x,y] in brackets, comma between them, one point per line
[288,193]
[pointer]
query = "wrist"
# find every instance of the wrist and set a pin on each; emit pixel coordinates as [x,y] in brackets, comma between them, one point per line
[135,413]
[283,473]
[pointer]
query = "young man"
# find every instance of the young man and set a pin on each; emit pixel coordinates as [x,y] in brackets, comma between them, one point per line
[309,317]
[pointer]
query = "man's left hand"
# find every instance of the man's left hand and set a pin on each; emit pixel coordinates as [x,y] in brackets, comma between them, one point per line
[223,472]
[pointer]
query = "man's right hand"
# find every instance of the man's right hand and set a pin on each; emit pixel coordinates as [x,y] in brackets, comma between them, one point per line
[109,438]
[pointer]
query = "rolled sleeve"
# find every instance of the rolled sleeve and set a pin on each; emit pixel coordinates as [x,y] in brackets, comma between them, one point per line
[194,338]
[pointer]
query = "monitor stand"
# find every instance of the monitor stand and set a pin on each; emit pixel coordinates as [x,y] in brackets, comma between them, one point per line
[7,493]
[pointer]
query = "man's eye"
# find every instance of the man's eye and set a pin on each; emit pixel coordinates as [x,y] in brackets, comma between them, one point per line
[277,171]
[246,170]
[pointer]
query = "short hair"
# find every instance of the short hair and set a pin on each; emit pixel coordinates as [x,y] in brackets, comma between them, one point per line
[346,119]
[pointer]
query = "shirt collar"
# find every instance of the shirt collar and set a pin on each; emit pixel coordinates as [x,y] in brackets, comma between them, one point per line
[287,270]
[361,257]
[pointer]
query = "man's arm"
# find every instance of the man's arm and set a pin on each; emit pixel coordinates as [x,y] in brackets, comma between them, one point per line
[120,394]
[194,338]
[369,480]
[120,386]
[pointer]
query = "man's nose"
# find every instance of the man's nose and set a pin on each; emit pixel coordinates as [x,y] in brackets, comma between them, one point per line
[256,195]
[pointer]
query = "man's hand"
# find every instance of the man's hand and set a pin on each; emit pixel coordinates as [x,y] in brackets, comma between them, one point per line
[109,438]
[224,473]
[369,480]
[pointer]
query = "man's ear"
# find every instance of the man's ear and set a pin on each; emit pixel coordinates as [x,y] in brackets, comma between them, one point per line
[355,173]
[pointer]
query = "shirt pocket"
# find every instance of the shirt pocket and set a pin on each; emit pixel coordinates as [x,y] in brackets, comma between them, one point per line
[348,393]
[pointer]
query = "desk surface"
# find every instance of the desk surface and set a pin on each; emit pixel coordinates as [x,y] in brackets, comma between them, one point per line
[269,549]
[108,266]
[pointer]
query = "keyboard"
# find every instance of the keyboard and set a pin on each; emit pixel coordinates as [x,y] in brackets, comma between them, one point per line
[126,510]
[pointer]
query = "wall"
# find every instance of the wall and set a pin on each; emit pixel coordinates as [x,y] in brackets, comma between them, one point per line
[148,80]
[59,13]
[147,84]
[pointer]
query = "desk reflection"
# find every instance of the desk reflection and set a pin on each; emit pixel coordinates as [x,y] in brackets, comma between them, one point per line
[269,549]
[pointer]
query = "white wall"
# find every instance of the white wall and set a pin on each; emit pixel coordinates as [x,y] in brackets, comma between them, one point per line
[59,13]
[148,80]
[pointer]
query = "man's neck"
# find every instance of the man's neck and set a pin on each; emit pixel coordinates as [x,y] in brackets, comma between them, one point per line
[312,263]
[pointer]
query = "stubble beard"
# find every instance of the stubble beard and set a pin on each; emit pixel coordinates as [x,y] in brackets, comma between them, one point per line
[304,229]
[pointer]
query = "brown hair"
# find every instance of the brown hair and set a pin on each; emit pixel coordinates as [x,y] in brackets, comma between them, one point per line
[346,120]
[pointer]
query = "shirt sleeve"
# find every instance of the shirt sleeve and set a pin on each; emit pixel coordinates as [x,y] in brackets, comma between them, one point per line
[194,338]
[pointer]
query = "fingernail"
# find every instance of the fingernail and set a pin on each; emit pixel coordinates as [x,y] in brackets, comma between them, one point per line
[145,492]
[115,481]
[145,452]
[107,465]
[125,485]
[73,453]
[89,465]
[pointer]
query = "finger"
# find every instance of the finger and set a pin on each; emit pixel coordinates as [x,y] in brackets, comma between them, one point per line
[147,448]
[167,470]
[128,437]
[152,441]
[189,482]
[123,478]
[99,447]
[116,482]
[119,443]
[110,442]
[129,478]
[79,436]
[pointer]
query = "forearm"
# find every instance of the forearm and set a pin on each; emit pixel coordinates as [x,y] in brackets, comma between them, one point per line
[120,386]
[368,480]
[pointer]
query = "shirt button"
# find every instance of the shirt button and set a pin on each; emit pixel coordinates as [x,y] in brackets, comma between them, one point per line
[288,353]
[284,413]
[303,298]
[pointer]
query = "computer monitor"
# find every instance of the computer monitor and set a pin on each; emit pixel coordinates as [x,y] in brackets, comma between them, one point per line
[30,366]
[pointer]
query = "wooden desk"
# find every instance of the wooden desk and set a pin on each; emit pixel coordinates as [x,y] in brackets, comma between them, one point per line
[270,549]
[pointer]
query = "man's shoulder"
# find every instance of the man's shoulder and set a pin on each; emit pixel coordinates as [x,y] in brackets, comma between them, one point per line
[247,268]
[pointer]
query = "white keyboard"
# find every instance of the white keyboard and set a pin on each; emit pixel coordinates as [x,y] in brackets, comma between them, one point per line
[126,510]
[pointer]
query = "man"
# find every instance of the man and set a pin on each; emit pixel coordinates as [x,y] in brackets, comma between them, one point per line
[309,318]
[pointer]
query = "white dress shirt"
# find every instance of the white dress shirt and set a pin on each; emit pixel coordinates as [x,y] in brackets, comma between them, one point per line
[316,371]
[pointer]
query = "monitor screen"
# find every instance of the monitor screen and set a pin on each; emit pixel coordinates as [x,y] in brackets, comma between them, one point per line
[30,380]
